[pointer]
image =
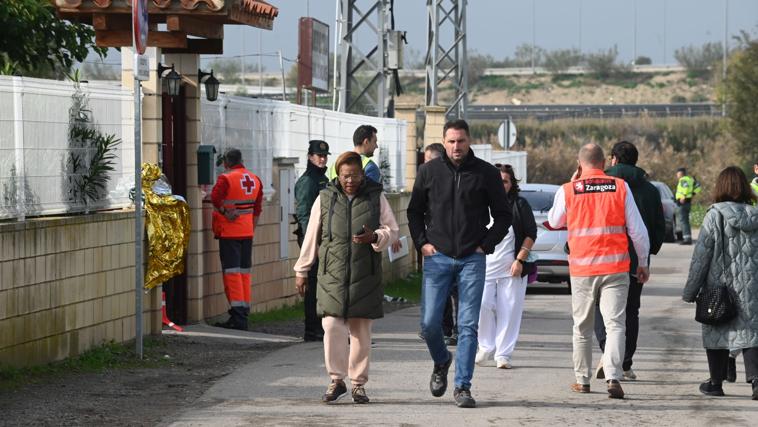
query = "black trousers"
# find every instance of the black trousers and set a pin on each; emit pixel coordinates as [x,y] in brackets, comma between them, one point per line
[717,363]
[313,328]
[451,313]
[632,322]
[237,254]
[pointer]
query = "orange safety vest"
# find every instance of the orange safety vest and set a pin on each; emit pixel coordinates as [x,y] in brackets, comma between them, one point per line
[596,222]
[244,188]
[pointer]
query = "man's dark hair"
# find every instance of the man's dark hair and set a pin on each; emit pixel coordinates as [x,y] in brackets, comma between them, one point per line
[459,124]
[682,170]
[439,148]
[362,133]
[625,152]
[233,157]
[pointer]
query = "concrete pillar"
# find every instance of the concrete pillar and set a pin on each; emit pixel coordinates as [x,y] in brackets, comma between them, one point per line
[435,122]
[407,112]
[187,64]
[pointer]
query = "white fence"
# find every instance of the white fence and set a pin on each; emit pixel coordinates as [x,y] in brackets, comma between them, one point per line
[34,145]
[264,129]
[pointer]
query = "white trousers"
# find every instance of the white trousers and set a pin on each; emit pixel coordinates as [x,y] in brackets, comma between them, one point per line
[500,315]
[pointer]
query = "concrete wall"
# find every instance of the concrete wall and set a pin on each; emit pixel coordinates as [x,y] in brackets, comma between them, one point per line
[67,284]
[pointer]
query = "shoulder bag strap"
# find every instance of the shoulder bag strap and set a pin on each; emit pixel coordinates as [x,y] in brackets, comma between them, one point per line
[725,246]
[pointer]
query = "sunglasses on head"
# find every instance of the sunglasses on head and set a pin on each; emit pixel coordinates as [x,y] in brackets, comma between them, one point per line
[502,166]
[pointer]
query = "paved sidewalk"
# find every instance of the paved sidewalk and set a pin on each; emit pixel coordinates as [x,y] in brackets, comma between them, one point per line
[284,388]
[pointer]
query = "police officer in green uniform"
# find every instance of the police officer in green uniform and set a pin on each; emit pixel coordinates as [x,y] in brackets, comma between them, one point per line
[307,189]
[686,189]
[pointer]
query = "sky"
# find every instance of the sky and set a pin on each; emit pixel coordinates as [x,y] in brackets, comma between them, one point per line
[496,27]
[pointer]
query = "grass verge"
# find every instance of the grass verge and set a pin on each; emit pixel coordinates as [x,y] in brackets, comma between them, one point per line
[408,288]
[286,313]
[107,356]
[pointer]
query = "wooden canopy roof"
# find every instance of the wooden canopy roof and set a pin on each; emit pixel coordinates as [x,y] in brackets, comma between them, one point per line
[192,26]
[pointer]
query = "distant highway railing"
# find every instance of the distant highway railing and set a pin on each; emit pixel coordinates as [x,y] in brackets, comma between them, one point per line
[607,111]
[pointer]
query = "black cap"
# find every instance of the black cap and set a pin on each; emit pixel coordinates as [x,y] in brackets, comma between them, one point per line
[317,146]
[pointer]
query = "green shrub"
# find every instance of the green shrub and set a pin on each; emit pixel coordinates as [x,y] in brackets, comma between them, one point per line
[678,99]
[698,60]
[643,60]
[697,213]
[558,61]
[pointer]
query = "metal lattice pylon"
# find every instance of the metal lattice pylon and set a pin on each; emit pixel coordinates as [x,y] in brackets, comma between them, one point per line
[363,73]
[447,63]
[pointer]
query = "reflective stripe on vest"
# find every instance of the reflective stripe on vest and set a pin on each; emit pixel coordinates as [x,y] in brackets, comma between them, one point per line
[596,222]
[237,270]
[243,191]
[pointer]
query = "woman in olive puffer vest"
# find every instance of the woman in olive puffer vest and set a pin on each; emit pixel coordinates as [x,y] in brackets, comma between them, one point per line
[351,223]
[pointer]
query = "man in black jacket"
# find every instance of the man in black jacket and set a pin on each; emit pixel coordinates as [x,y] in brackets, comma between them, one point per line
[307,188]
[648,200]
[451,204]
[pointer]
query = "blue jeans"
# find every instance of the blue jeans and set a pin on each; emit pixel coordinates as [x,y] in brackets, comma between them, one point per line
[440,272]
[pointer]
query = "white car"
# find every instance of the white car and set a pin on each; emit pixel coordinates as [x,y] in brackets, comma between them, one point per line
[669,207]
[550,246]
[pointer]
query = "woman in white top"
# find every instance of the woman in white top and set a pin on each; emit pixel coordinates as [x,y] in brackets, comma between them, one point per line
[505,282]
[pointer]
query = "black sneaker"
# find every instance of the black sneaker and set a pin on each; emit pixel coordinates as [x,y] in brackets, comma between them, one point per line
[452,340]
[731,370]
[755,389]
[686,242]
[334,392]
[359,394]
[463,398]
[438,383]
[230,324]
[710,389]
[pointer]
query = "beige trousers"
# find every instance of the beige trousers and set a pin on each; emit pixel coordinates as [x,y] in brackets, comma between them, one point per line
[611,291]
[343,358]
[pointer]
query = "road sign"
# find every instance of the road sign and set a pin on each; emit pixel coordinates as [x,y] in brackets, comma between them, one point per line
[141,67]
[139,25]
[506,134]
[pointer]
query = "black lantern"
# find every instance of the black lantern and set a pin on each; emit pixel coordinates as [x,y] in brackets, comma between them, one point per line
[173,79]
[211,84]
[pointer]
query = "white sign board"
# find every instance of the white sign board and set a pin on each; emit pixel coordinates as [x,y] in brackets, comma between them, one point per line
[141,67]
[320,58]
[506,134]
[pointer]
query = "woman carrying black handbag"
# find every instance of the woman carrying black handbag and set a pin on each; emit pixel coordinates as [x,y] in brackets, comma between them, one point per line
[725,261]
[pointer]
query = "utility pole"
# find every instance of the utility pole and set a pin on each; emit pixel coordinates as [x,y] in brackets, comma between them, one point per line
[534,30]
[634,57]
[664,32]
[260,62]
[447,62]
[580,26]
[363,73]
[242,57]
[726,50]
